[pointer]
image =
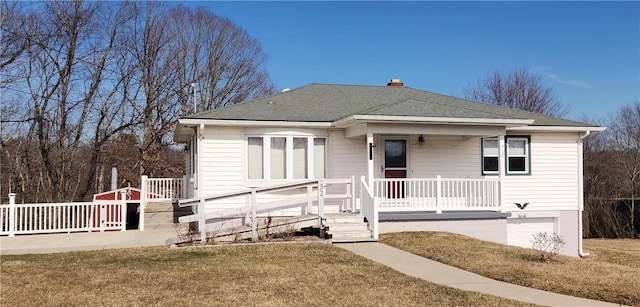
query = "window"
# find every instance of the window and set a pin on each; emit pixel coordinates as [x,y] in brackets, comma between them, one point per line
[490,156]
[318,158]
[516,155]
[278,158]
[255,158]
[282,157]
[300,155]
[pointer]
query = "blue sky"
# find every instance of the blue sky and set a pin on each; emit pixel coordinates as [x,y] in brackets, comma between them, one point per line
[587,52]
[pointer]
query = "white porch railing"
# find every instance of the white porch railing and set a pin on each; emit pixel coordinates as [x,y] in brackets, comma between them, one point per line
[98,215]
[436,194]
[164,189]
[309,195]
[369,207]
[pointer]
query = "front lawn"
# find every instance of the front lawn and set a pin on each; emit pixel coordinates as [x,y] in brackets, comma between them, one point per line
[601,277]
[265,275]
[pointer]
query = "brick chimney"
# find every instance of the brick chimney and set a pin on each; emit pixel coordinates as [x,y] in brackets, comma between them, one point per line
[395,82]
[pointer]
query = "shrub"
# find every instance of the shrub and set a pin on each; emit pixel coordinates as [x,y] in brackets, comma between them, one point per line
[547,245]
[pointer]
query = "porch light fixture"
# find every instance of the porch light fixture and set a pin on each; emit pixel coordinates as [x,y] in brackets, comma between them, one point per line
[421,141]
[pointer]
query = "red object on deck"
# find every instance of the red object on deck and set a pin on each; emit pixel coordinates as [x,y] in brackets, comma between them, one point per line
[112,212]
[132,194]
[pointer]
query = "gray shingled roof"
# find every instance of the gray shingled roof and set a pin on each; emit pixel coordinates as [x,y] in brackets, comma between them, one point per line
[332,102]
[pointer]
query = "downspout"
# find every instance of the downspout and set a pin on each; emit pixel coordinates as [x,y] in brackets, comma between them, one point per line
[581,253]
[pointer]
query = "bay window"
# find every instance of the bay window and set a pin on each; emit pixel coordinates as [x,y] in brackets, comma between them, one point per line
[281,157]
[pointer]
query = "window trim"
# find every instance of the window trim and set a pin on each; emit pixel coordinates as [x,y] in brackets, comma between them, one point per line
[527,156]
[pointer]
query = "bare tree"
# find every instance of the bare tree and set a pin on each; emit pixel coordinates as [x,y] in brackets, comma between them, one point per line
[12,45]
[89,76]
[624,133]
[179,47]
[71,91]
[221,58]
[602,189]
[519,89]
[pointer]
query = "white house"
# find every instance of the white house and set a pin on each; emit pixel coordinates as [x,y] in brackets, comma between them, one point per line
[428,161]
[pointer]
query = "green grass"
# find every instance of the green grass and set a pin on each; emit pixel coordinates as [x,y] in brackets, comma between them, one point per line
[612,275]
[265,275]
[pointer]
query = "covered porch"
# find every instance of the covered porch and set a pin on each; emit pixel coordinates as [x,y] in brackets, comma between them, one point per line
[433,164]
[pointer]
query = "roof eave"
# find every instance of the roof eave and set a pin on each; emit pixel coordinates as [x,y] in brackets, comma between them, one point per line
[557,129]
[357,119]
[251,123]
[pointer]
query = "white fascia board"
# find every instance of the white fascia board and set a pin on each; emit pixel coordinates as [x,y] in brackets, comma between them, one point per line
[252,123]
[183,133]
[556,129]
[352,120]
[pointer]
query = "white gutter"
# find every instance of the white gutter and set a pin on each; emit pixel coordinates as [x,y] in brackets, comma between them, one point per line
[581,252]
[252,123]
[354,119]
[557,129]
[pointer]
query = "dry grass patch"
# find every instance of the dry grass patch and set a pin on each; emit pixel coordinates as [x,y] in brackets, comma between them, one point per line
[588,278]
[266,275]
[617,251]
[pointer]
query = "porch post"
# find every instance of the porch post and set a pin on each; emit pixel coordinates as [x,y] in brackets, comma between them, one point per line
[144,194]
[12,214]
[123,210]
[501,170]
[370,152]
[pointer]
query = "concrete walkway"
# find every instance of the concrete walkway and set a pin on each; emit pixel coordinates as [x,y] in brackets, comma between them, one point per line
[438,273]
[58,243]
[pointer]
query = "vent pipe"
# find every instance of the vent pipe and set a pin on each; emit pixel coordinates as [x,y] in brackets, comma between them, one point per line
[114,178]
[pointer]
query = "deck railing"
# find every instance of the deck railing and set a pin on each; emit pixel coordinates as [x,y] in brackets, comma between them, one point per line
[164,189]
[437,194]
[310,196]
[41,218]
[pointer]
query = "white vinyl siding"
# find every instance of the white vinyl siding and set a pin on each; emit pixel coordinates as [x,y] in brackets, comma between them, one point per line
[553,183]
[347,157]
[221,158]
[447,156]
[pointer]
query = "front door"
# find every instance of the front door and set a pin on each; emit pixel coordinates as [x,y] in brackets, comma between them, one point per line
[394,165]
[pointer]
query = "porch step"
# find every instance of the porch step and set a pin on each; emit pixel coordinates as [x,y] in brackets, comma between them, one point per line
[343,218]
[163,215]
[347,227]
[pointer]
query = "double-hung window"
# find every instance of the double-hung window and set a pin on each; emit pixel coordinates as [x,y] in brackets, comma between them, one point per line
[490,156]
[280,157]
[517,155]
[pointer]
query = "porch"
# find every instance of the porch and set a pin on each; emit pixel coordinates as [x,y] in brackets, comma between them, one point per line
[436,194]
